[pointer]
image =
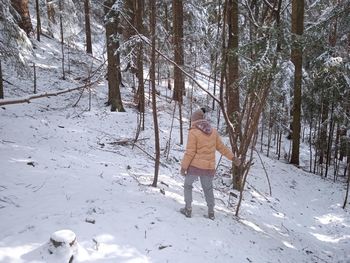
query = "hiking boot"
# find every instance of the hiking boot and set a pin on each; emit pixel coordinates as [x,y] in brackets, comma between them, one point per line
[211,215]
[187,212]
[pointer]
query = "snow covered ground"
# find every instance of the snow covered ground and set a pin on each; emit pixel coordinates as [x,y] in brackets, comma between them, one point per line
[64,167]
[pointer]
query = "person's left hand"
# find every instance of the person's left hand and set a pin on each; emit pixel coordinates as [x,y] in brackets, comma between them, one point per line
[183,172]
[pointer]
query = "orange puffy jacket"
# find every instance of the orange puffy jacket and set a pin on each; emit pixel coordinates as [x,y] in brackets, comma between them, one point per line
[201,148]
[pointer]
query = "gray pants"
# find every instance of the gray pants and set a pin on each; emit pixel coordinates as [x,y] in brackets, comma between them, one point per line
[207,186]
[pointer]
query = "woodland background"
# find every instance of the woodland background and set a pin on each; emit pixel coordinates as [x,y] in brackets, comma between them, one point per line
[281,67]
[273,75]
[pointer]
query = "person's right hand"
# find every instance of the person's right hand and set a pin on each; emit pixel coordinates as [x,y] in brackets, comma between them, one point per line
[237,161]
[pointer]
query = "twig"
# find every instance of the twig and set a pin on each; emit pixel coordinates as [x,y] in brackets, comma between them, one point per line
[256,190]
[164,183]
[149,155]
[217,166]
[267,176]
[41,186]
[167,148]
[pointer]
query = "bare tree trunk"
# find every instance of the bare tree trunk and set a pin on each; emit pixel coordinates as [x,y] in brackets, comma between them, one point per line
[167,30]
[262,131]
[216,53]
[181,124]
[223,66]
[330,140]
[34,68]
[62,38]
[50,16]
[279,28]
[1,83]
[323,130]
[310,145]
[347,187]
[179,85]
[153,83]
[87,26]
[297,59]
[232,88]
[269,134]
[38,21]
[50,11]
[245,174]
[21,6]
[178,49]
[279,145]
[318,141]
[168,144]
[141,87]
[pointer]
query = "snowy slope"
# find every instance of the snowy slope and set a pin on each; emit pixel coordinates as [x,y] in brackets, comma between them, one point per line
[63,168]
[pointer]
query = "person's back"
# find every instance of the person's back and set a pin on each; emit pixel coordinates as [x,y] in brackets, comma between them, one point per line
[202,143]
[199,160]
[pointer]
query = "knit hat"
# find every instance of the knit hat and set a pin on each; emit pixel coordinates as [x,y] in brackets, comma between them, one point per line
[198,115]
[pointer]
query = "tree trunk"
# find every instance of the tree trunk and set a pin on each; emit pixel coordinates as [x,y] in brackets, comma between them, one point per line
[50,16]
[50,11]
[62,37]
[141,87]
[323,128]
[179,85]
[347,187]
[167,30]
[310,145]
[38,23]
[87,26]
[279,28]
[1,83]
[218,17]
[178,50]
[21,6]
[330,140]
[297,59]
[113,59]
[153,83]
[232,88]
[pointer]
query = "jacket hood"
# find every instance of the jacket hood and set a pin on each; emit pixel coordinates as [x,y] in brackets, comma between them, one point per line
[203,125]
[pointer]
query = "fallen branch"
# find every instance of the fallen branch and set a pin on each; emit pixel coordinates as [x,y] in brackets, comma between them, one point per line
[42,95]
[126,141]
[49,94]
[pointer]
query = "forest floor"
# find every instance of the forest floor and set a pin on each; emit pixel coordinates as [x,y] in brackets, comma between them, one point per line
[64,166]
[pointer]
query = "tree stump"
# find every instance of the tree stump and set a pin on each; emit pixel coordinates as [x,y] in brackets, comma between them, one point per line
[63,243]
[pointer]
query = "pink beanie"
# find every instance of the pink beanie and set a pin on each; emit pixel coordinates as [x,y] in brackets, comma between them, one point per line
[198,115]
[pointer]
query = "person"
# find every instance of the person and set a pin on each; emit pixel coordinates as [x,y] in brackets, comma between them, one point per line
[199,161]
